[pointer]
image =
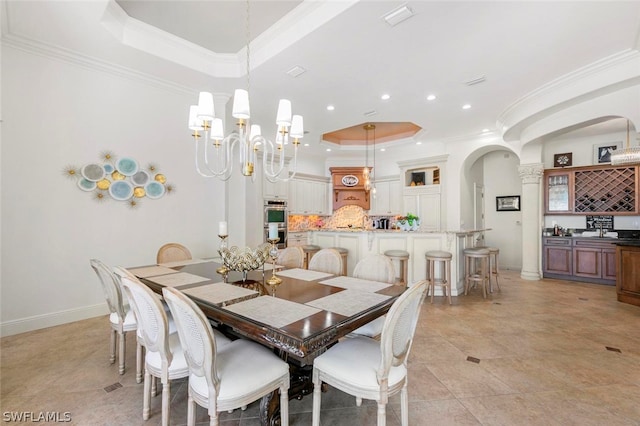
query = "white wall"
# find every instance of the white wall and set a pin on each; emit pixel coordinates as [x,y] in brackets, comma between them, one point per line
[57,112]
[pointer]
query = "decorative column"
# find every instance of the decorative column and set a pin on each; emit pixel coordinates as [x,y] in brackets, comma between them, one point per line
[531,220]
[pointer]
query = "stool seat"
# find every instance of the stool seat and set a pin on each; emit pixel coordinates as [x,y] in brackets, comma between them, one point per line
[309,250]
[311,247]
[476,265]
[401,256]
[443,259]
[344,253]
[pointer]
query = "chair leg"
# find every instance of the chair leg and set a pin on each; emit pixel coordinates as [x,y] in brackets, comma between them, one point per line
[146,396]
[154,386]
[112,347]
[497,273]
[191,410]
[404,405]
[139,362]
[448,277]
[358,401]
[284,406]
[315,412]
[382,414]
[121,351]
[166,402]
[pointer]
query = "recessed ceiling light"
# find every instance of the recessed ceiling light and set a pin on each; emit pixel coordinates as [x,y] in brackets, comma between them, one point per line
[330,107]
[328,149]
[306,144]
[466,106]
[485,130]
[431,97]
[382,149]
[418,143]
[385,96]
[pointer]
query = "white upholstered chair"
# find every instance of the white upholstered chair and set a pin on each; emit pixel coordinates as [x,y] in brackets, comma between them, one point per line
[366,368]
[172,252]
[228,377]
[164,357]
[376,267]
[121,317]
[327,260]
[291,257]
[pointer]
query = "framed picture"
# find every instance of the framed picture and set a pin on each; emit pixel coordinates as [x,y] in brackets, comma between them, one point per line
[602,152]
[509,203]
[563,160]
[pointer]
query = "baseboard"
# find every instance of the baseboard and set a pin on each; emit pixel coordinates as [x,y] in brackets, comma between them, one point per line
[9,328]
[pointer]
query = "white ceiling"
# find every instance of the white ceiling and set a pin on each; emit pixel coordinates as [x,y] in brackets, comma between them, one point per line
[350,54]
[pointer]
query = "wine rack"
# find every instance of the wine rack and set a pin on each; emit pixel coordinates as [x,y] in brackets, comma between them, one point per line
[607,190]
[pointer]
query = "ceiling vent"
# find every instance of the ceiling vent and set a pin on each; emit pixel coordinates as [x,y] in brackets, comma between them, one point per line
[398,15]
[370,113]
[477,80]
[296,71]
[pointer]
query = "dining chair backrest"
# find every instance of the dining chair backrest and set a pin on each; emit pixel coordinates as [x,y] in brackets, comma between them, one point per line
[172,252]
[399,328]
[327,260]
[291,257]
[151,316]
[196,337]
[111,287]
[376,267]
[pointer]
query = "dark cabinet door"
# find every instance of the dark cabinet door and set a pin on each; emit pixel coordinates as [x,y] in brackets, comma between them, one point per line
[587,262]
[557,260]
[609,265]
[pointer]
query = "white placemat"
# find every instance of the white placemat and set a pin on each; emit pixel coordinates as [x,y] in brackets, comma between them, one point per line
[348,302]
[351,283]
[220,293]
[304,274]
[178,279]
[151,271]
[272,311]
[183,262]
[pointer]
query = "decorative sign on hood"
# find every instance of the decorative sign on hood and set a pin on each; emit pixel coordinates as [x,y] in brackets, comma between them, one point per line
[350,180]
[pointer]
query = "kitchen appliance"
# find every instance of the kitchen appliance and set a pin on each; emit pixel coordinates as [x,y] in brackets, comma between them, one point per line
[384,224]
[275,211]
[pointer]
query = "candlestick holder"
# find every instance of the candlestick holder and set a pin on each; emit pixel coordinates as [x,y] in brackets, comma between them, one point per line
[223,270]
[273,252]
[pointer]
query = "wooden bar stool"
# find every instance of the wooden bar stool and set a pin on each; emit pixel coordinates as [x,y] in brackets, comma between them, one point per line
[494,253]
[476,266]
[402,257]
[309,251]
[344,253]
[443,259]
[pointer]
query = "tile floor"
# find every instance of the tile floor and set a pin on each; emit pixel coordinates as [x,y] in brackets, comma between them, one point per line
[540,351]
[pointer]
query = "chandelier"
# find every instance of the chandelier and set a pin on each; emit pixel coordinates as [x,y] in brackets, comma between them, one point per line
[247,141]
[368,173]
[626,156]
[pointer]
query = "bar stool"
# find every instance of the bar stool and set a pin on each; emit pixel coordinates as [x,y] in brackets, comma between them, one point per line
[476,265]
[309,251]
[443,258]
[494,253]
[401,256]
[344,253]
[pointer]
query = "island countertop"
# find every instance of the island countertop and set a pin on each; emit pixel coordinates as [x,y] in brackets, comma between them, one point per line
[394,231]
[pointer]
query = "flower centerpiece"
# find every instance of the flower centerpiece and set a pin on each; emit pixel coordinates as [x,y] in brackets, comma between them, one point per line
[410,222]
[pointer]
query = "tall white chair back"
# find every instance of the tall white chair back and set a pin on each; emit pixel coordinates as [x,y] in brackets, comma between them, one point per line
[291,257]
[368,369]
[121,318]
[221,377]
[327,260]
[376,267]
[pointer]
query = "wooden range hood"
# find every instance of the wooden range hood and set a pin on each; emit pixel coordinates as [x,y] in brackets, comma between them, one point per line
[348,188]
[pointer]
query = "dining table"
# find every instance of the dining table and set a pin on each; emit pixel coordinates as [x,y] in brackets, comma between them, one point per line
[299,318]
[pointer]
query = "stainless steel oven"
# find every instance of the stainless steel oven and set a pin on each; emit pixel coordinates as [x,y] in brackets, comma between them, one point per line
[275,211]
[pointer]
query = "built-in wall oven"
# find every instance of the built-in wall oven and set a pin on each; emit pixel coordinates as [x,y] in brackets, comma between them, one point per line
[275,211]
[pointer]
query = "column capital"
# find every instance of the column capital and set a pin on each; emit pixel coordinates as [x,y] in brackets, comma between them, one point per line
[531,173]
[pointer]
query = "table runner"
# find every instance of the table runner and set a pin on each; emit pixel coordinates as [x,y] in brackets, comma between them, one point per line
[348,302]
[220,294]
[183,262]
[178,279]
[303,274]
[351,283]
[151,271]
[272,311]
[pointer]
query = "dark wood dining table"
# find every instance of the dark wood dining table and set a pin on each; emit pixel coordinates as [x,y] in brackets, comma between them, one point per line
[299,341]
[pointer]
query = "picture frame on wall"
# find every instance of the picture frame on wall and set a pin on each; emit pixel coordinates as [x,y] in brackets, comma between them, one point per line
[509,203]
[602,152]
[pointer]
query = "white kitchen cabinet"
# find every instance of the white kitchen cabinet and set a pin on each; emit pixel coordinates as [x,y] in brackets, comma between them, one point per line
[424,202]
[274,190]
[309,196]
[387,201]
[297,239]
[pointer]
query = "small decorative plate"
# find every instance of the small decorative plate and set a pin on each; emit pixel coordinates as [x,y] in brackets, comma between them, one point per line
[140,178]
[121,190]
[154,189]
[108,168]
[127,166]
[93,172]
[86,185]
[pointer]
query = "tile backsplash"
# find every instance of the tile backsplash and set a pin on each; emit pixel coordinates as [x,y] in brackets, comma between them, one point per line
[341,218]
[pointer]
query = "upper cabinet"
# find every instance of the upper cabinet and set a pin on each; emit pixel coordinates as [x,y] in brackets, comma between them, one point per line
[308,195]
[387,200]
[607,190]
[275,190]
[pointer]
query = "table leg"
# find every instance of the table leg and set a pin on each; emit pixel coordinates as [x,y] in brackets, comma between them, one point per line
[300,386]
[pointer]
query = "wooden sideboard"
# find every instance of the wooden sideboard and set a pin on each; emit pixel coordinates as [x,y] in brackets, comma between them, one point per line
[628,278]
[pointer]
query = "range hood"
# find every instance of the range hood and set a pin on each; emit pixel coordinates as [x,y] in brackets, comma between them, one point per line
[348,188]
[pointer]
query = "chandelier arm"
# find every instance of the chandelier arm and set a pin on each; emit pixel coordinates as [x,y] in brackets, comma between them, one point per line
[210,173]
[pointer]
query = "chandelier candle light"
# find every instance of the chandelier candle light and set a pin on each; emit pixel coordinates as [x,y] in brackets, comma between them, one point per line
[273,252]
[626,156]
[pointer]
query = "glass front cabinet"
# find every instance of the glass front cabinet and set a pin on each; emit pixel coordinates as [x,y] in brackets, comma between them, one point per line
[558,191]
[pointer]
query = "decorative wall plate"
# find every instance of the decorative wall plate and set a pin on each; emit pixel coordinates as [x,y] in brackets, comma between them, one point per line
[121,190]
[108,168]
[154,189]
[141,178]
[127,166]
[86,185]
[93,172]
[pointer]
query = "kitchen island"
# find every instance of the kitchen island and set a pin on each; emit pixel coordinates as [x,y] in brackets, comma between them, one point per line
[362,243]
